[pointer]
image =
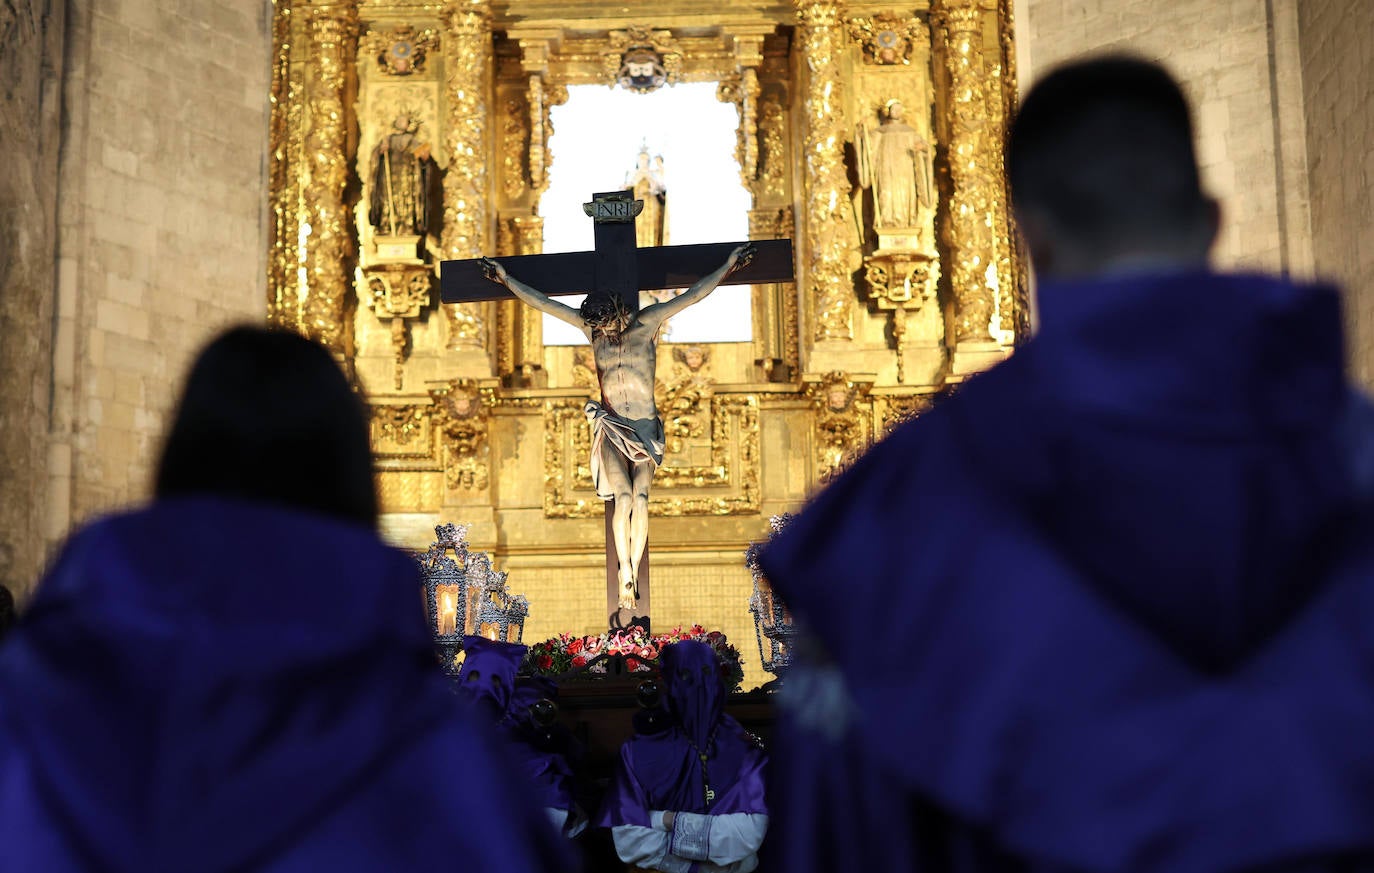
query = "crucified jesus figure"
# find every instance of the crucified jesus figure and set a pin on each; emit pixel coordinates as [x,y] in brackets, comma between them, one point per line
[627,432]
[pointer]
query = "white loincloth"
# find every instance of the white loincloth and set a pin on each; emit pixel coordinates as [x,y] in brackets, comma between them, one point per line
[636,439]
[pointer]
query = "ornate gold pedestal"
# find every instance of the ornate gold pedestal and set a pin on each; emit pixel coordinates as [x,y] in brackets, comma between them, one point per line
[399,292]
[900,278]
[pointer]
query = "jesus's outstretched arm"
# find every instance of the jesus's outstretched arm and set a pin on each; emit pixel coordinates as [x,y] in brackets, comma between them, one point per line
[660,312]
[538,299]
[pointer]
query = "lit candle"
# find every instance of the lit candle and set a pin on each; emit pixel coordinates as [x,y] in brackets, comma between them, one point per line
[447,614]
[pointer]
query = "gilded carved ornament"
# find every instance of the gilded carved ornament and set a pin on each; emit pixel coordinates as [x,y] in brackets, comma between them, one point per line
[399,292]
[401,50]
[462,411]
[897,410]
[842,423]
[684,397]
[641,59]
[771,175]
[515,137]
[888,38]
[729,484]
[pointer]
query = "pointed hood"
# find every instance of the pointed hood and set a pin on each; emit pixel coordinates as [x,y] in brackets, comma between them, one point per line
[487,676]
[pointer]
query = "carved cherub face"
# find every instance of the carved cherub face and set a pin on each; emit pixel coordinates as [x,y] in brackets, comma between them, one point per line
[837,398]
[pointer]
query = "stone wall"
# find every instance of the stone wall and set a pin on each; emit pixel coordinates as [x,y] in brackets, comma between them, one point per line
[162,233]
[1338,69]
[1238,61]
[30,115]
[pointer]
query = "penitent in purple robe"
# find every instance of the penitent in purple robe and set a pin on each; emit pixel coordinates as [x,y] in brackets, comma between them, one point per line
[702,766]
[219,686]
[488,679]
[1108,609]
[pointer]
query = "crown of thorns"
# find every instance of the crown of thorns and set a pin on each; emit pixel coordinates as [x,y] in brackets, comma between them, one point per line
[602,310]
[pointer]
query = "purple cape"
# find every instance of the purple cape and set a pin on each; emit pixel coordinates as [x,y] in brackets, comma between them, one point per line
[664,771]
[214,685]
[1115,593]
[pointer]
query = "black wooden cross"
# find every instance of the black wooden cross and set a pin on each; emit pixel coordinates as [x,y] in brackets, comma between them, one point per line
[619,267]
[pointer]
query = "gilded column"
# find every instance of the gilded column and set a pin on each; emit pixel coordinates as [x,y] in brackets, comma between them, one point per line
[828,223]
[529,331]
[331,33]
[467,50]
[969,227]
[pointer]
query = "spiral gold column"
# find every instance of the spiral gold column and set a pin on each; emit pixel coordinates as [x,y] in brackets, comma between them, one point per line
[827,221]
[467,50]
[969,227]
[332,33]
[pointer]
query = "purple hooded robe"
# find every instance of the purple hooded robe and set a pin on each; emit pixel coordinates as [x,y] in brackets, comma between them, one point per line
[220,686]
[1115,600]
[488,678]
[704,768]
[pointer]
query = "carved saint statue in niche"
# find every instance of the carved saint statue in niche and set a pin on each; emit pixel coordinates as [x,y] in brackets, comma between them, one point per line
[646,179]
[895,163]
[404,180]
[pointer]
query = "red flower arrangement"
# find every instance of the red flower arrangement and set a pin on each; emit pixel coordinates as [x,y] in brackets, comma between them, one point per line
[563,653]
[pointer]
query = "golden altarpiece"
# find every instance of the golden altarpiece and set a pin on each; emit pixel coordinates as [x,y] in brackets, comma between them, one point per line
[869,133]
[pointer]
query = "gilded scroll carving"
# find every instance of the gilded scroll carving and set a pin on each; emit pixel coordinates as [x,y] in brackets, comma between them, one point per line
[399,292]
[772,174]
[829,221]
[328,247]
[403,436]
[744,91]
[467,64]
[515,132]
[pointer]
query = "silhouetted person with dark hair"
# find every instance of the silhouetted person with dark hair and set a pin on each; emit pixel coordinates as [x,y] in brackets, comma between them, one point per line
[239,677]
[1116,592]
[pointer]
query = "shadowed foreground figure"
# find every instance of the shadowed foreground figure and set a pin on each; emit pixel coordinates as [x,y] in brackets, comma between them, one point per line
[239,677]
[1121,586]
